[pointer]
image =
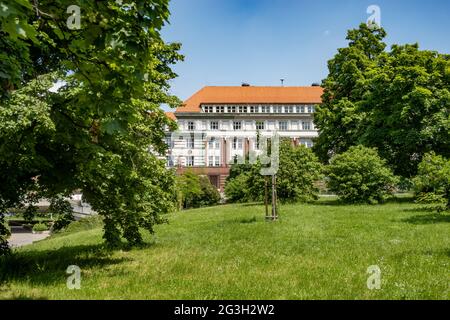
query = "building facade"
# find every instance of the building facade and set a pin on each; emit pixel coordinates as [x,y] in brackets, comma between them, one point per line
[218,125]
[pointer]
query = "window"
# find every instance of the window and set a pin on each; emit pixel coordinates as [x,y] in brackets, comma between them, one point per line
[278,109]
[214,161]
[232,109]
[169,142]
[242,109]
[257,144]
[190,143]
[253,109]
[302,109]
[260,125]
[209,109]
[169,160]
[306,125]
[220,109]
[265,109]
[190,161]
[237,144]
[214,125]
[191,126]
[237,125]
[310,109]
[290,109]
[282,125]
[213,143]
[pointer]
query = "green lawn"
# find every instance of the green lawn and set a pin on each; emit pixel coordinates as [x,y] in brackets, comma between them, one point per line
[319,251]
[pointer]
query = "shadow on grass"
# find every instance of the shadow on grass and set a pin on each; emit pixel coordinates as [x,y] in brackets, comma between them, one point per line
[335,201]
[49,266]
[428,219]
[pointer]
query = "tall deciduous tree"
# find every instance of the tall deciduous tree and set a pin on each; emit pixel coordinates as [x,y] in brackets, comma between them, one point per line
[94,133]
[339,117]
[397,101]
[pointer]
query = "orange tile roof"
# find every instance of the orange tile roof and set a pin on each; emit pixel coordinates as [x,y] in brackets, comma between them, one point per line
[171,115]
[248,95]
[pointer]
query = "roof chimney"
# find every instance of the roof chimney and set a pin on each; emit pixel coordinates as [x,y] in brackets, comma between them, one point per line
[315,84]
[244,84]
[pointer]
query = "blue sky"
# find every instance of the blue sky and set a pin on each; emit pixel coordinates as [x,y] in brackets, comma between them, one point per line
[227,42]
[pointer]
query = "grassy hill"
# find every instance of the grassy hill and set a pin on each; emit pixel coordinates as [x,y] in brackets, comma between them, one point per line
[315,251]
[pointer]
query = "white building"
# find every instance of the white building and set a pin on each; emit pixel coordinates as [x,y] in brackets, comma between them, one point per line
[219,123]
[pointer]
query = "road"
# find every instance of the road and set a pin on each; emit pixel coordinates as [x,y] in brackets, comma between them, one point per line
[21,237]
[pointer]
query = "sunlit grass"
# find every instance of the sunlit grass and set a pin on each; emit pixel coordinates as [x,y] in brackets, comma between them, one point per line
[317,251]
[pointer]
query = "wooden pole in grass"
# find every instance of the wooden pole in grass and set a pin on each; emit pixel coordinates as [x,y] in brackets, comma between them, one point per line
[266,201]
[274,206]
[276,201]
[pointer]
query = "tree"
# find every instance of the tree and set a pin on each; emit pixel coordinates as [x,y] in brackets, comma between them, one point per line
[432,184]
[298,171]
[397,101]
[340,117]
[94,133]
[63,209]
[359,175]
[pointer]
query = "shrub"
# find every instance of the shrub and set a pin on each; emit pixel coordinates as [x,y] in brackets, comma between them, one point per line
[236,189]
[432,183]
[360,176]
[196,191]
[87,223]
[208,196]
[38,227]
[298,172]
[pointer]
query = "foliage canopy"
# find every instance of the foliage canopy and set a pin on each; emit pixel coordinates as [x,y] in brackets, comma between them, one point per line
[397,101]
[94,133]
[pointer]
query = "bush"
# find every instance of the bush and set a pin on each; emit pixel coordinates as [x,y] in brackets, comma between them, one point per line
[298,172]
[39,227]
[360,176]
[87,223]
[432,183]
[208,196]
[236,189]
[196,191]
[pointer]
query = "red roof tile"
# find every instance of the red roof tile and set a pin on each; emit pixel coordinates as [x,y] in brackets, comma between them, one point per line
[171,115]
[248,95]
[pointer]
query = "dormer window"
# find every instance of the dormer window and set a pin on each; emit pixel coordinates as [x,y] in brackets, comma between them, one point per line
[242,109]
[232,109]
[208,109]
